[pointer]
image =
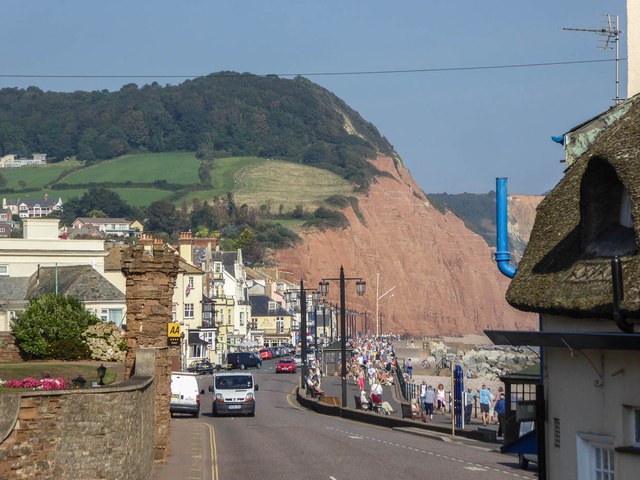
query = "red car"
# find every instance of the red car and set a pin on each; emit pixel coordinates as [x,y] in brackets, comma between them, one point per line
[265,353]
[286,364]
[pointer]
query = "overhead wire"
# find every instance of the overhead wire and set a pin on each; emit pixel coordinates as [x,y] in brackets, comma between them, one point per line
[318,74]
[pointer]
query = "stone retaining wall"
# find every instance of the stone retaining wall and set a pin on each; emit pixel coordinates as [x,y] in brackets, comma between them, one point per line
[9,351]
[100,433]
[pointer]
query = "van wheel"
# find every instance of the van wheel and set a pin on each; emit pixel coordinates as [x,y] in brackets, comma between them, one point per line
[252,414]
[196,414]
[523,463]
[213,412]
[242,367]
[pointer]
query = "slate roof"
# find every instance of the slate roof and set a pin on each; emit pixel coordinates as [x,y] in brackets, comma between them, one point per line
[31,202]
[13,288]
[565,269]
[102,220]
[260,307]
[81,281]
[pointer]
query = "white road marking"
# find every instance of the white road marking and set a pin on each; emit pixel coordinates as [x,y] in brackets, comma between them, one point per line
[476,469]
[474,466]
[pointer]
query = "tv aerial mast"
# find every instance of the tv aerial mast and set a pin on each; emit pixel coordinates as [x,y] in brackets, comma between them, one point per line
[610,34]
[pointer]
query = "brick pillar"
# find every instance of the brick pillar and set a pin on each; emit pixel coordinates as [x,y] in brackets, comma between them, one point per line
[150,271]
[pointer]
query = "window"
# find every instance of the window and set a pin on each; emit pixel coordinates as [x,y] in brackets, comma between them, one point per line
[241,319]
[4,270]
[279,325]
[104,314]
[190,282]
[595,457]
[254,323]
[188,310]
[229,317]
[195,350]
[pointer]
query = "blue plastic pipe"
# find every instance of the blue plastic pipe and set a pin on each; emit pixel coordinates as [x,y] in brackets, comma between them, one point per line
[502,255]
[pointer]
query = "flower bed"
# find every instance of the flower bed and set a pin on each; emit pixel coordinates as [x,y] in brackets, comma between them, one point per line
[33,384]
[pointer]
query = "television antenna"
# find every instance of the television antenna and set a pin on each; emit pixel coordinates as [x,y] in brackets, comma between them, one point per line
[610,34]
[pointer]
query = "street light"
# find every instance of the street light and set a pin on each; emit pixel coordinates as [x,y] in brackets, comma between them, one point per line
[102,370]
[378,298]
[361,287]
[290,295]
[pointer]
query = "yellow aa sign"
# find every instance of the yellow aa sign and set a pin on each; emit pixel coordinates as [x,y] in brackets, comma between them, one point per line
[173,334]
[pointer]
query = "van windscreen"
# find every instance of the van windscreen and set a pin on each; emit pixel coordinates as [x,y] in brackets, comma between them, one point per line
[233,381]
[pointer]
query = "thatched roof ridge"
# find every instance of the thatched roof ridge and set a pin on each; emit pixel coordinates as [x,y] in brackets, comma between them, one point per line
[561,271]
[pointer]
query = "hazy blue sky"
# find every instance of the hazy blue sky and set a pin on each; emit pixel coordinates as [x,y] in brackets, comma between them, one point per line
[455,130]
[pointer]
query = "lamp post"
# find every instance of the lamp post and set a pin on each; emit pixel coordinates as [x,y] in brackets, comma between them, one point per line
[102,370]
[316,299]
[303,327]
[361,287]
[378,298]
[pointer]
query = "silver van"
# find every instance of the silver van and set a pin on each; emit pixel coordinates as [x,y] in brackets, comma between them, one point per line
[233,393]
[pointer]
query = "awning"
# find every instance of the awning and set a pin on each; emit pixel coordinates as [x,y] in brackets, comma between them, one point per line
[194,339]
[572,340]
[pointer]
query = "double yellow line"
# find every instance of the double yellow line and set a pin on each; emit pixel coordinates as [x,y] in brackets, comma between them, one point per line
[213,452]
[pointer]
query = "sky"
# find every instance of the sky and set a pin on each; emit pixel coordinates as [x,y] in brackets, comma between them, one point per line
[455,129]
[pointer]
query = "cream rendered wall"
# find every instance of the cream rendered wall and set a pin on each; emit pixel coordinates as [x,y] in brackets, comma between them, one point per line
[581,405]
[633,47]
[180,298]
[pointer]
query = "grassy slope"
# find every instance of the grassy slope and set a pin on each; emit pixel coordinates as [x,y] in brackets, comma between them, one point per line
[176,167]
[36,177]
[289,184]
[254,181]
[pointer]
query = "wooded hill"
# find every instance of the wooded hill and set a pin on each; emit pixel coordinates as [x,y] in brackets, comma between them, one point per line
[221,115]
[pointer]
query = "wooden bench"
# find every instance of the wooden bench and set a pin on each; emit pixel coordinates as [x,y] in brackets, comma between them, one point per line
[331,400]
[359,405]
[407,412]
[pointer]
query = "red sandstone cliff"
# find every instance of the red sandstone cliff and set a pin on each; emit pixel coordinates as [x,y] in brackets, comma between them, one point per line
[446,280]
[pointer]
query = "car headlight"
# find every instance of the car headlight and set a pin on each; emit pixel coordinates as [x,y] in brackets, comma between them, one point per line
[219,397]
[249,397]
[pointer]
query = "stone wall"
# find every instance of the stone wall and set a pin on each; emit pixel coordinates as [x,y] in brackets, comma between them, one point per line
[9,351]
[100,433]
[150,271]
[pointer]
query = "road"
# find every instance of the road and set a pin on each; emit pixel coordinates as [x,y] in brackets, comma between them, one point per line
[285,442]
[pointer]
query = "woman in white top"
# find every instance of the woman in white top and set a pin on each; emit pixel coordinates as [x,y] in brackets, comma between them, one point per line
[440,398]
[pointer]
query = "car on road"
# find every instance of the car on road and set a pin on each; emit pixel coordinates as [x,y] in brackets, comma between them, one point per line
[265,353]
[201,367]
[243,360]
[286,364]
[298,358]
[233,393]
[185,396]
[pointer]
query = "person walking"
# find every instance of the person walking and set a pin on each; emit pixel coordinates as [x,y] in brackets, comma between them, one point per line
[500,410]
[429,400]
[423,395]
[468,405]
[410,368]
[440,399]
[485,403]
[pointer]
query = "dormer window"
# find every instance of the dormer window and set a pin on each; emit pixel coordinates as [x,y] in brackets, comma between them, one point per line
[272,305]
[606,224]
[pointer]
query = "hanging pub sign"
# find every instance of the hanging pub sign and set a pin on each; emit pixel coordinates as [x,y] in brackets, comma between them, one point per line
[173,335]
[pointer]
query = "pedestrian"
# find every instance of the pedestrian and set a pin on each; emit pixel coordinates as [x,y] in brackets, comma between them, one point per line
[440,398]
[410,368]
[468,405]
[484,394]
[429,400]
[500,410]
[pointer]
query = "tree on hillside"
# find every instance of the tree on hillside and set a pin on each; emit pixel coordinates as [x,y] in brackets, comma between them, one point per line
[251,248]
[97,198]
[161,217]
[51,327]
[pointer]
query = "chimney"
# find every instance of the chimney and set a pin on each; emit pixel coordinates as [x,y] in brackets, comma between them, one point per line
[185,246]
[633,48]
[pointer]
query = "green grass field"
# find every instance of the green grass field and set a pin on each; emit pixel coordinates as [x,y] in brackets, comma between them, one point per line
[35,177]
[288,184]
[174,167]
[222,177]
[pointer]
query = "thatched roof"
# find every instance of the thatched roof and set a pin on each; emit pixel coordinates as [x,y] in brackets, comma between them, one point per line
[565,268]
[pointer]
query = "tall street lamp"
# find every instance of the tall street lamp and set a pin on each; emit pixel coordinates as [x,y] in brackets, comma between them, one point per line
[289,294]
[361,287]
[378,298]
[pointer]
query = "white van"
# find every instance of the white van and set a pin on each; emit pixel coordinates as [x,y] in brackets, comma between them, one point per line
[233,393]
[185,396]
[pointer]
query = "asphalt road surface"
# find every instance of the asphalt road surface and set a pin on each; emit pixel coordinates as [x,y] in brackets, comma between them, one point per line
[285,441]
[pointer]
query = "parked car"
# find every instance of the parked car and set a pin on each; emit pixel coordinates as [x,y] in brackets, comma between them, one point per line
[200,367]
[265,353]
[298,358]
[185,396]
[243,360]
[286,364]
[233,393]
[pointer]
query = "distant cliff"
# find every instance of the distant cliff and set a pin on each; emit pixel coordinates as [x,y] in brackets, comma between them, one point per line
[445,277]
[479,214]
